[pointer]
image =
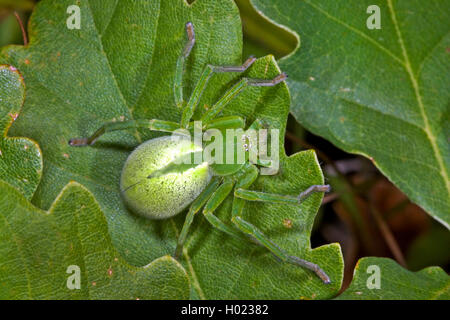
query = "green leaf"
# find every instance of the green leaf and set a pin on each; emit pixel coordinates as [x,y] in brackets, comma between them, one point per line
[37,248]
[396,282]
[380,93]
[20,158]
[9,30]
[120,65]
[423,251]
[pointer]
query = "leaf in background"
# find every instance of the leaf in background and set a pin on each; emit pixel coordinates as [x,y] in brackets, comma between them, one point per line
[37,248]
[397,282]
[16,4]
[424,252]
[9,30]
[120,65]
[20,158]
[261,37]
[380,93]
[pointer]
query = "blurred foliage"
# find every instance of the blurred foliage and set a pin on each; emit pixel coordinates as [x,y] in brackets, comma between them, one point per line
[262,37]
[16,5]
[9,31]
[430,248]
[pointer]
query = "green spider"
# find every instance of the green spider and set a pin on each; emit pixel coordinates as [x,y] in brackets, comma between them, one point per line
[157,187]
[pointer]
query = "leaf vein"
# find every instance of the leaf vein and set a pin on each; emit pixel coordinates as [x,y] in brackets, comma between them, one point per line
[102,50]
[416,88]
[361,34]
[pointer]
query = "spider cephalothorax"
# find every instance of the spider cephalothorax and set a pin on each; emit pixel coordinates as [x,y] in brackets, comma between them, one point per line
[162,176]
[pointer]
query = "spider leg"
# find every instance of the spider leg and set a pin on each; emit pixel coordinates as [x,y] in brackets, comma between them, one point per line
[154,125]
[189,108]
[221,194]
[195,207]
[235,90]
[178,83]
[251,195]
[250,229]
[214,194]
[214,202]
[230,122]
[263,240]
[201,85]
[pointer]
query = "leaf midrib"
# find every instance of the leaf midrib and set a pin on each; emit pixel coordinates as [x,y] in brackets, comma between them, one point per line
[415,84]
[407,66]
[113,76]
[440,292]
[150,63]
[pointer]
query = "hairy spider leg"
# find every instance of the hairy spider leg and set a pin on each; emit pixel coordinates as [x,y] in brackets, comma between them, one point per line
[251,195]
[208,71]
[231,122]
[200,87]
[189,108]
[235,90]
[241,194]
[214,202]
[211,198]
[216,193]
[180,66]
[195,207]
[154,125]
[178,87]
[168,126]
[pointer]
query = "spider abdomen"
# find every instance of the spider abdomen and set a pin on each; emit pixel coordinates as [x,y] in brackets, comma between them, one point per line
[164,196]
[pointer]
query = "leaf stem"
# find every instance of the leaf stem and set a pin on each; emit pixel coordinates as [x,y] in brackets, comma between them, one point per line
[387,235]
[22,28]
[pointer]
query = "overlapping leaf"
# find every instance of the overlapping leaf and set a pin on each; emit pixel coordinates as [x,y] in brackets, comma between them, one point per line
[20,158]
[395,282]
[382,92]
[40,249]
[120,65]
